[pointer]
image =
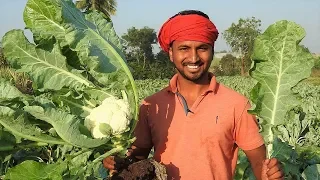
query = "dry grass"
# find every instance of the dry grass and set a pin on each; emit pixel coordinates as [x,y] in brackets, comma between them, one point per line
[21,80]
[315,73]
[313,80]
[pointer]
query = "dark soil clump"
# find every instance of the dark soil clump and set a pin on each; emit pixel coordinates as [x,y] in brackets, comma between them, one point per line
[147,169]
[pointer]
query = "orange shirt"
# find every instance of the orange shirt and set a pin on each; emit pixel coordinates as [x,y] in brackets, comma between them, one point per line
[202,144]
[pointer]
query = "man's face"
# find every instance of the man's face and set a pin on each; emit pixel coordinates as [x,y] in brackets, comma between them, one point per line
[191,58]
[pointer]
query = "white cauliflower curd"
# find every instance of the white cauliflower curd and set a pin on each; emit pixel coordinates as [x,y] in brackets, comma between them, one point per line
[111,117]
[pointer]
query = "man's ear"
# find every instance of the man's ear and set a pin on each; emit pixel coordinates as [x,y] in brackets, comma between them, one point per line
[170,54]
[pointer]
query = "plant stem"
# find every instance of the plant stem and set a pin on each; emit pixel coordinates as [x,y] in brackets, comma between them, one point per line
[99,159]
[109,153]
[89,103]
[270,142]
[79,152]
[20,146]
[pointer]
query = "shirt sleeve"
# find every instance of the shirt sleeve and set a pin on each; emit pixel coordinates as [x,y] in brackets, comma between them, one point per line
[142,131]
[246,133]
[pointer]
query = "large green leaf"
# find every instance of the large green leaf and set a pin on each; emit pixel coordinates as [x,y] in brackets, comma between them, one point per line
[80,104]
[8,91]
[279,63]
[48,70]
[6,140]
[73,102]
[94,39]
[19,125]
[32,170]
[287,156]
[66,126]
[74,106]
[100,49]
[43,18]
[312,172]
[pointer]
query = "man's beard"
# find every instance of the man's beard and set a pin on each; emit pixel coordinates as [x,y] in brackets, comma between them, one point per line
[195,79]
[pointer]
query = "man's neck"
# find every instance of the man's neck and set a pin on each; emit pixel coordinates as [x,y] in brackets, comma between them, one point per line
[193,89]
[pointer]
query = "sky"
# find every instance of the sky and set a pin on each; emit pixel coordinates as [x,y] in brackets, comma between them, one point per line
[153,13]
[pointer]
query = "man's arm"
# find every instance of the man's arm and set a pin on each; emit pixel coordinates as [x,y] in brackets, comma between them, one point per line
[264,169]
[256,158]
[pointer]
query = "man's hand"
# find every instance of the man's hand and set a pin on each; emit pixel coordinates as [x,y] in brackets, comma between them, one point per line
[109,163]
[113,163]
[271,170]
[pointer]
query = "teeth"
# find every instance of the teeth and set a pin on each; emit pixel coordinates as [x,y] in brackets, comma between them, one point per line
[192,67]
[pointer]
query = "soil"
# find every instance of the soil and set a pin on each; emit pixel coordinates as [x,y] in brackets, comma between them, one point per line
[147,169]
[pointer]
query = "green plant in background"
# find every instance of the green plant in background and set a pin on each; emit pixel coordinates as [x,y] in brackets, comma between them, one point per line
[76,63]
[107,7]
[279,64]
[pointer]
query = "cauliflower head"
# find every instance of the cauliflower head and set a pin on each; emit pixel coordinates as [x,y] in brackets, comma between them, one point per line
[112,117]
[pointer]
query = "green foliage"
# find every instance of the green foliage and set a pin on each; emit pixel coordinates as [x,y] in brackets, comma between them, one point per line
[37,170]
[139,44]
[243,85]
[317,63]
[280,63]
[107,7]
[149,86]
[158,68]
[154,70]
[240,37]
[76,62]
[228,66]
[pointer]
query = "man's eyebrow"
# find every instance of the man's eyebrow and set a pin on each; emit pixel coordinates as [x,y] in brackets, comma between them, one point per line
[199,46]
[204,45]
[183,45]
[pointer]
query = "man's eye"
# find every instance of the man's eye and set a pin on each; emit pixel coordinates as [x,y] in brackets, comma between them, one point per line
[203,48]
[183,49]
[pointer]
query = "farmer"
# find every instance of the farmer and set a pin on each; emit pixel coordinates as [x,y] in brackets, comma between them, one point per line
[196,125]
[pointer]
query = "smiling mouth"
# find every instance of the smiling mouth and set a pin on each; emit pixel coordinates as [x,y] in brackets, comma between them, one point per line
[193,66]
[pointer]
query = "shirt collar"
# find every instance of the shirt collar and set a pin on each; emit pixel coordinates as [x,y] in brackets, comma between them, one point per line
[174,88]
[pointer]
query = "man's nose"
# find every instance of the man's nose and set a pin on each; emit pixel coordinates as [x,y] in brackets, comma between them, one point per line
[194,56]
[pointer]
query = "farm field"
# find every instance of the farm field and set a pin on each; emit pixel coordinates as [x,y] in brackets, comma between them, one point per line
[240,84]
[69,99]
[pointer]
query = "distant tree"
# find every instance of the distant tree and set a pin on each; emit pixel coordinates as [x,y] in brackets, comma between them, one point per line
[168,69]
[163,56]
[240,37]
[139,44]
[107,7]
[229,66]
[160,68]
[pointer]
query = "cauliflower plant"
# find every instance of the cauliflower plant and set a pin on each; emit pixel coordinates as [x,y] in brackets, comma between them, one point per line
[111,117]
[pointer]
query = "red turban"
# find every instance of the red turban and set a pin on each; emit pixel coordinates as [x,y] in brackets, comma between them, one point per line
[187,28]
